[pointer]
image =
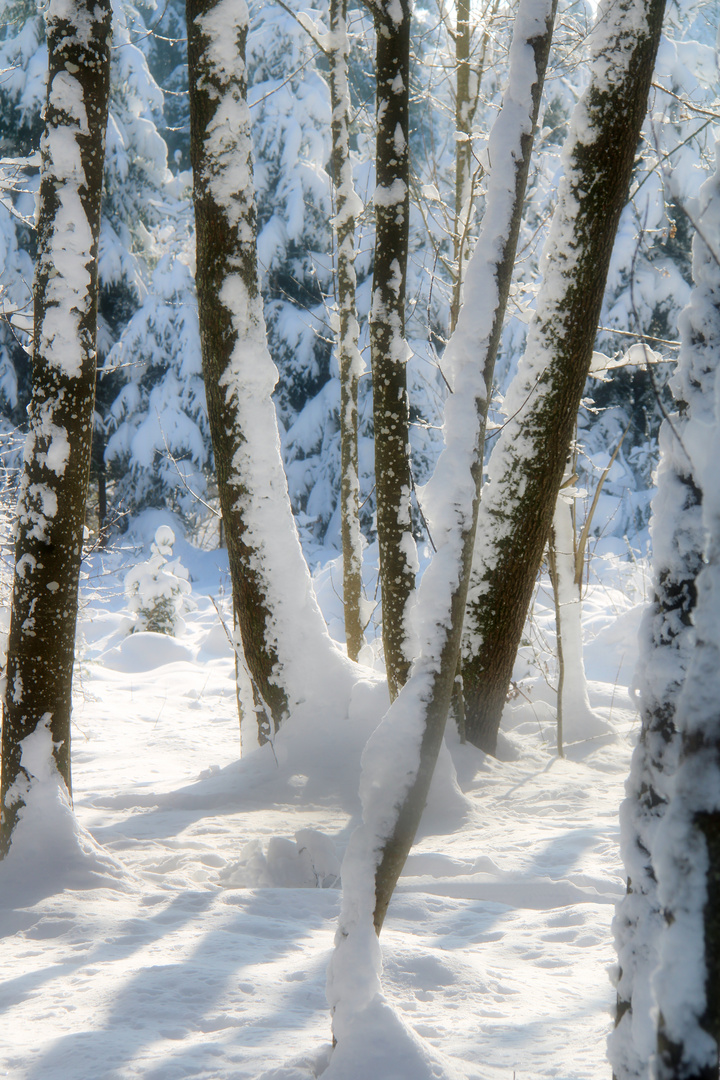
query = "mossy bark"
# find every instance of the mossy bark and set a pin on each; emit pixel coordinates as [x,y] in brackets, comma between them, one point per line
[51,508]
[224,250]
[437,667]
[516,516]
[388,350]
[349,360]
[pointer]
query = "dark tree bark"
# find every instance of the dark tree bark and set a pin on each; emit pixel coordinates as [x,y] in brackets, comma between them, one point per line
[53,490]
[666,645]
[225,222]
[276,614]
[388,349]
[495,259]
[393,805]
[526,467]
[668,926]
[347,207]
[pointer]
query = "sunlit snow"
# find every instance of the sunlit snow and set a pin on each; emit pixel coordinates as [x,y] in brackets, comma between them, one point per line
[182,925]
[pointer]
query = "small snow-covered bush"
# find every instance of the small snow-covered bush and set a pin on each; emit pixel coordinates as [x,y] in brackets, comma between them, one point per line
[158,590]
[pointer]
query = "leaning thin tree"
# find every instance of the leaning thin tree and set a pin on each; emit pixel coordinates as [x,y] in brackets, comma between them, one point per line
[51,508]
[527,465]
[394,793]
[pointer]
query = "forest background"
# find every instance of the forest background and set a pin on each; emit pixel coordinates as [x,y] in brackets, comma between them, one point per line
[151,439]
[152,444]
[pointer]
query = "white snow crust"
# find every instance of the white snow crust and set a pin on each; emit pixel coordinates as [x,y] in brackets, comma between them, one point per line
[179,923]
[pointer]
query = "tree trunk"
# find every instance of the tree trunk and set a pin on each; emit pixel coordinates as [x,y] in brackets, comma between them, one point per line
[388,348]
[279,621]
[575,719]
[393,800]
[553,567]
[668,926]
[528,462]
[347,207]
[51,508]
[98,452]
[468,79]
[666,643]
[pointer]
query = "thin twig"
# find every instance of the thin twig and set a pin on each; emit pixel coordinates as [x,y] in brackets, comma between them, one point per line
[194,494]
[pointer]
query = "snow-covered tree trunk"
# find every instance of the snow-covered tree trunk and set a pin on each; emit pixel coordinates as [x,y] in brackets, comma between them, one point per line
[51,508]
[667,640]
[388,349]
[347,208]
[468,78]
[666,643]
[527,465]
[283,635]
[400,757]
[678,823]
[573,703]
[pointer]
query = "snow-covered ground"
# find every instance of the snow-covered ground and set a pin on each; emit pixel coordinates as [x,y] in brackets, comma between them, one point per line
[183,928]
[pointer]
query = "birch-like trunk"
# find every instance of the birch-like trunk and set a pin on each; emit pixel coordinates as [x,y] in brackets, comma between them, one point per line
[666,642]
[388,349]
[668,927]
[347,208]
[51,507]
[394,797]
[282,634]
[527,465]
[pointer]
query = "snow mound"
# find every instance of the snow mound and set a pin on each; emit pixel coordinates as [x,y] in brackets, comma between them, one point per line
[306,1067]
[144,651]
[311,862]
[50,851]
[378,1043]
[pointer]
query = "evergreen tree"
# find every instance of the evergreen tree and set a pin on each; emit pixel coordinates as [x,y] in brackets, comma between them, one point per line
[138,195]
[290,106]
[23,62]
[158,449]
